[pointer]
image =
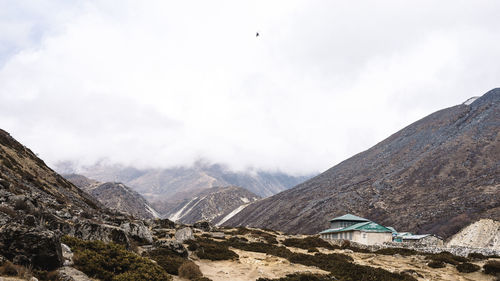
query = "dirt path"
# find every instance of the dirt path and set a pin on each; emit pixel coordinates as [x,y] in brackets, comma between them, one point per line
[250,267]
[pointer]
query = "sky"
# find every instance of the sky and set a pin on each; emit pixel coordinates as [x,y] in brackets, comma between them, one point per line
[167,83]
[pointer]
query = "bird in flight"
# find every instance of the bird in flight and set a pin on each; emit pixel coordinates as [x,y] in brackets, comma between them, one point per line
[257,34]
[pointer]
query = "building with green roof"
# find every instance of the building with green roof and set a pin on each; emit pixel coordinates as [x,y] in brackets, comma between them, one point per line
[357,229]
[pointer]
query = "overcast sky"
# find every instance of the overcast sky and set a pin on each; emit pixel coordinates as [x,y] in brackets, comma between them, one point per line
[163,83]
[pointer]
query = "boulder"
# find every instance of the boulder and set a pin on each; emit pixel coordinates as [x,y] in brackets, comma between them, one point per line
[31,246]
[88,230]
[184,234]
[67,255]
[173,245]
[137,231]
[72,274]
[203,225]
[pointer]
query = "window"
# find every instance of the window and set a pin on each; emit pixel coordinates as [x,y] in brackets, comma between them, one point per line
[364,235]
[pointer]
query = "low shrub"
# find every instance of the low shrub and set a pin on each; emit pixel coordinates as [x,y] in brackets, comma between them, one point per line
[189,270]
[9,269]
[211,250]
[436,264]
[215,252]
[301,277]
[192,245]
[447,257]
[477,256]
[398,251]
[268,237]
[312,250]
[308,242]
[169,260]
[112,262]
[492,267]
[467,267]
[259,247]
[342,268]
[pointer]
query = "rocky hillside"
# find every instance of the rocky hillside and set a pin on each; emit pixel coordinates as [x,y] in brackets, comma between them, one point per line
[115,196]
[184,182]
[484,233]
[22,173]
[436,175]
[211,205]
[38,206]
[81,182]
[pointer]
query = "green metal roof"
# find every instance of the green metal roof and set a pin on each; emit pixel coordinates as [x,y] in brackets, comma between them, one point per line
[368,226]
[349,217]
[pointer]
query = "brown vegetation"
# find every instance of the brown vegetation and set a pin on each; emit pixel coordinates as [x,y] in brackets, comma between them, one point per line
[189,270]
[308,242]
[467,267]
[492,267]
[112,262]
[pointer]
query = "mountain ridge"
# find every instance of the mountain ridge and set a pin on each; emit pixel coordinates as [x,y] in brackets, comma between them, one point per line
[447,158]
[115,195]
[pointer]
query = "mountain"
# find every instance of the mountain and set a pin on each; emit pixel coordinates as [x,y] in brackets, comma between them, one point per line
[115,196]
[211,205]
[22,173]
[180,183]
[434,176]
[38,206]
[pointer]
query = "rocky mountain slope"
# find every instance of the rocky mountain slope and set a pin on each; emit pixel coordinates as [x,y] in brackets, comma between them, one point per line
[436,175]
[38,206]
[185,182]
[211,205]
[484,233]
[115,196]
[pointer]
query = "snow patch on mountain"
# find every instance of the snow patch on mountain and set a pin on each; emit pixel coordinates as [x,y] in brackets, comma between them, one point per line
[176,216]
[232,214]
[152,212]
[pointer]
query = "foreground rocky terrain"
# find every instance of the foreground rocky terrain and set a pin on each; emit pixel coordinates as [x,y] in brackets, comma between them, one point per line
[38,207]
[437,175]
[116,196]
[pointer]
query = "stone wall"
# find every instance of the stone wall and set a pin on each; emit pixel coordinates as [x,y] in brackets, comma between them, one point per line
[459,251]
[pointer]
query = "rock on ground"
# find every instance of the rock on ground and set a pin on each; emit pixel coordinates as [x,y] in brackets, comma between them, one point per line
[31,246]
[137,231]
[184,234]
[172,245]
[72,274]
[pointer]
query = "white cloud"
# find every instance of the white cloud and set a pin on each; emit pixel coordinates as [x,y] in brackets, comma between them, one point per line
[164,83]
